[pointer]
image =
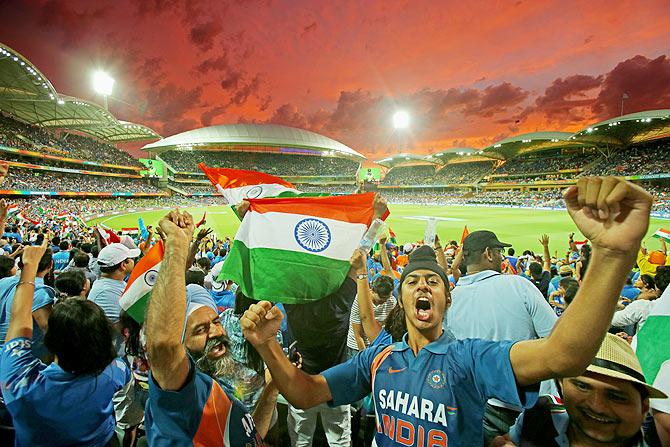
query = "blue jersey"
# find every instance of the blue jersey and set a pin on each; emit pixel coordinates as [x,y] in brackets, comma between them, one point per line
[435,398]
[61,260]
[52,407]
[201,413]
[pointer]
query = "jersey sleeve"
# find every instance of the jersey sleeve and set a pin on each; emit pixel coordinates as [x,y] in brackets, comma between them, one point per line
[19,368]
[43,297]
[492,373]
[543,316]
[352,380]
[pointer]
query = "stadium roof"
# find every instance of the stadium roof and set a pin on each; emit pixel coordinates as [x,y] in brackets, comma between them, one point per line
[628,129]
[529,142]
[27,95]
[454,152]
[272,135]
[407,159]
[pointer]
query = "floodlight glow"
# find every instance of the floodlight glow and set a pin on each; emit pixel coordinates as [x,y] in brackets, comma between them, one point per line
[103,83]
[400,119]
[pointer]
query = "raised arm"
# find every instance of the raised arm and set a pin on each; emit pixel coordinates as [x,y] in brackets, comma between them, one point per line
[386,263]
[614,215]
[194,246]
[167,307]
[260,324]
[544,240]
[456,264]
[439,252]
[21,321]
[370,325]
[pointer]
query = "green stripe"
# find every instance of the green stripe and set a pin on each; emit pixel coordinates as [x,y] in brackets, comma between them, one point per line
[651,350]
[137,310]
[282,276]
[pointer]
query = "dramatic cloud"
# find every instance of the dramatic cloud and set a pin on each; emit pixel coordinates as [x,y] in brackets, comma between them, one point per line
[203,35]
[566,99]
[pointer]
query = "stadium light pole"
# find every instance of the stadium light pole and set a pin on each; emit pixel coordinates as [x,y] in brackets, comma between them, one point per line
[103,84]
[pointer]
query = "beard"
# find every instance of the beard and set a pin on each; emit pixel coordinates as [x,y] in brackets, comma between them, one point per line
[223,368]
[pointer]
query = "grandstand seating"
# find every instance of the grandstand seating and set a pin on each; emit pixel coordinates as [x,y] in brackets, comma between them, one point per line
[271,163]
[34,180]
[410,175]
[463,173]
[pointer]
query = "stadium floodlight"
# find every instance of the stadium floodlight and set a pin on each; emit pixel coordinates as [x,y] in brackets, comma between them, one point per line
[400,119]
[103,84]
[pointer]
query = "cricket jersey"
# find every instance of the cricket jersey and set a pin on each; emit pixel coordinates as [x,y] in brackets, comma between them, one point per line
[435,398]
[202,413]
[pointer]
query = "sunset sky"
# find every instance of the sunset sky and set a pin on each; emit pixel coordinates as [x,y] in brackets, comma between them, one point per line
[467,72]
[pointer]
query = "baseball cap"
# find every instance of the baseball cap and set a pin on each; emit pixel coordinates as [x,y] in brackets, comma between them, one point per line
[616,359]
[479,240]
[565,270]
[408,248]
[214,273]
[116,253]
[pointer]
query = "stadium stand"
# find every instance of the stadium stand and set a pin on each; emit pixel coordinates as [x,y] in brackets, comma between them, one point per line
[33,180]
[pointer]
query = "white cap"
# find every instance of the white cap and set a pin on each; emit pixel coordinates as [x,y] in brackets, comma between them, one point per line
[408,247]
[116,253]
[214,274]
[128,242]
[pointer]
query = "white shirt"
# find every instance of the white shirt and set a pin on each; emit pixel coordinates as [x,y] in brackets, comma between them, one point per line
[635,313]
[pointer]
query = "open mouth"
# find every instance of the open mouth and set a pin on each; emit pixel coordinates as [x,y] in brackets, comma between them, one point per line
[597,419]
[424,309]
[217,350]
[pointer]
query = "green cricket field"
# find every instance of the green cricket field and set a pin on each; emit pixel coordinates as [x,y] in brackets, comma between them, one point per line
[519,227]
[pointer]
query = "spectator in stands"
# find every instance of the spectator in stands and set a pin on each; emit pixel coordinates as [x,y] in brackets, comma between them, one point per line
[583,263]
[604,406]
[381,294]
[492,306]
[41,304]
[72,284]
[179,394]
[81,262]
[39,397]
[7,267]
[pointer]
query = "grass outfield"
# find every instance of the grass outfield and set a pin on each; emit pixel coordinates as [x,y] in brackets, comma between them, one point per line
[520,227]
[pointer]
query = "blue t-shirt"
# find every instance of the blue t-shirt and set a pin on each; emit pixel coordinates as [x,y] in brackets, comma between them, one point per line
[224,299]
[43,296]
[52,407]
[630,292]
[435,398]
[61,259]
[513,260]
[201,413]
[106,293]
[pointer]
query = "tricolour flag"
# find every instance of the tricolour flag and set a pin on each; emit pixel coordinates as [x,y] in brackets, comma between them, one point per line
[237,185]
[662,233]
[297,249]
[13,208]
[649,346]
[62,215]
[107,236]
[136,296]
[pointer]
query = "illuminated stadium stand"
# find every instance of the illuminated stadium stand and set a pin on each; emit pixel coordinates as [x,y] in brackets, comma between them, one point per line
[35,125]
[296,155]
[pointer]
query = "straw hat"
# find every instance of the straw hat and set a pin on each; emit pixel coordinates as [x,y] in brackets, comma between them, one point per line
[616,358]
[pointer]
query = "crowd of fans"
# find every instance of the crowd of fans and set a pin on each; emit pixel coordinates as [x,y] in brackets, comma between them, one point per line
[646,159]
[543,164]
[271,163]
[463,173]
[410,175]
[23,136]
[34,180]
[202,338]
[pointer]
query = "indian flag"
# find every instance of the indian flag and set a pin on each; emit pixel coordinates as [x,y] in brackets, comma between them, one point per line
[13,208]
[662,233]
[237,185]
[648,345]
[297,249]
[136,296]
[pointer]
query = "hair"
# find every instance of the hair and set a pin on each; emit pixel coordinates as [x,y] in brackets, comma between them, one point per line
[86,247]
[45,262]
[111,269]
[648,281]
[510,252]
[254,360]
[383,286]
[662,277]
[204,263]
[132,336]
[64,245]
[6,266]
[70,283]
[395,323]
[39,239]
[553,271]
[535,269]
[94,251]
[55,241]
[195,277]
[471,257]
[81,260]
[80,335]
[571,286]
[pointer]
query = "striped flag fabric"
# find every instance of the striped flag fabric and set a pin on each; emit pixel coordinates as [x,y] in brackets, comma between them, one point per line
[662,233]
[107,236]
[237,185]
[652,353]
[297,249]
[136,296]
[13,208]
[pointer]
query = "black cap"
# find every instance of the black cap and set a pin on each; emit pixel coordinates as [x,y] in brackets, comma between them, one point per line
[423,258]
[479,240]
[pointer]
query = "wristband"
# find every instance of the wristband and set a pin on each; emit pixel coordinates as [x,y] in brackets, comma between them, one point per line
[362,276]
[26,282]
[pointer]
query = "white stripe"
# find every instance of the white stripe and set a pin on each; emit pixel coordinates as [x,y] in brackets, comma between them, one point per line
[236,195]
[276,230]
[137,289]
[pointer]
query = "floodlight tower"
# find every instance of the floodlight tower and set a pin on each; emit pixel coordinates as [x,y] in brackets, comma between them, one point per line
[103,84]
